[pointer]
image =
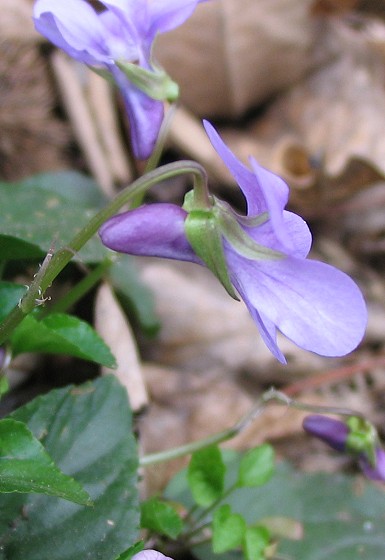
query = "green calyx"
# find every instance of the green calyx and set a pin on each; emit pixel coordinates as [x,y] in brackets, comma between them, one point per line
[362,438]
[206,227]
[205,238]
[155,83]
[229,223]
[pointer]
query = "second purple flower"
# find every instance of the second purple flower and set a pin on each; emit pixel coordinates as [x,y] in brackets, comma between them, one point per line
[119,40]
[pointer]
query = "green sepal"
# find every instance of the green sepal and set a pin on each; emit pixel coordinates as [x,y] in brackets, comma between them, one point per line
[242,243]
[362,438]
[156,83]
[205,238]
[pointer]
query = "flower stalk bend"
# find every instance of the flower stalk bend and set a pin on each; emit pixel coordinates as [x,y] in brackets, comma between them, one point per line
[53,264]
[272,395]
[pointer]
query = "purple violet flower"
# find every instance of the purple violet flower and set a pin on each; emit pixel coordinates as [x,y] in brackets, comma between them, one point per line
[357,437]
[123,33]
[315,305]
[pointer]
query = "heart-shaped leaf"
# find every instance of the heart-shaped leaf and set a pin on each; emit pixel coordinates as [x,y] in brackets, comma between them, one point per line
[59,333]
[342,516]
[10,294]
[228,529]
[257,466]
[160,517]
[206,474]
[34,217]
[87,431]
[25,466]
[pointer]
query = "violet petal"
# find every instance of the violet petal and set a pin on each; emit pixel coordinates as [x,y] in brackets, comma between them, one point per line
[245,178]
[73,26]
[155,230]
[150,555]
[315,305]
[296,228]
[145,115]
[331,431]
[377,472]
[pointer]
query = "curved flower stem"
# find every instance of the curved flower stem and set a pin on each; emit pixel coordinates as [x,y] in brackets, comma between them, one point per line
[272,395]
[53,264]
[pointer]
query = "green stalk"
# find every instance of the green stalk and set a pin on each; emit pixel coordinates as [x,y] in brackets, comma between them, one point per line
[188,535]
[54,264]
[269,396]
[81,288]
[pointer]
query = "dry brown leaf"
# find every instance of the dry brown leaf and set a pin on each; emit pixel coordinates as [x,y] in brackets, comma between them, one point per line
[70,76]
[186,133]
[32,138]
[187,406]
[231,55]
[204,329]
[325,137]
[332,7]
[112,325]
[339,112]
[16,21]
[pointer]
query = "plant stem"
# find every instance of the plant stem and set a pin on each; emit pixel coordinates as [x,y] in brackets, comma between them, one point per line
[187,449]
[269,396]
[81,288]
[198,528]
[54,264]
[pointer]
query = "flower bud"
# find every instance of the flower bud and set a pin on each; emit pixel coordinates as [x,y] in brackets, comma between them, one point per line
[333,432]
[357,436]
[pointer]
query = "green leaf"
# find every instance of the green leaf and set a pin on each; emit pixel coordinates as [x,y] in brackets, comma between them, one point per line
[134,296]
[228,529]
[34,217]
[12,248]
[160,517]
[131,551]
[206,473]
[10,294]
[343,517]
[71,185]
[25,466]
[59,333]
[257,466]
[87,430]
[256,542]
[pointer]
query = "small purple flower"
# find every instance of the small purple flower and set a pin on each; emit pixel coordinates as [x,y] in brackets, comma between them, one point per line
[315,305]
[123,33]
[150,555]
[357,437]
